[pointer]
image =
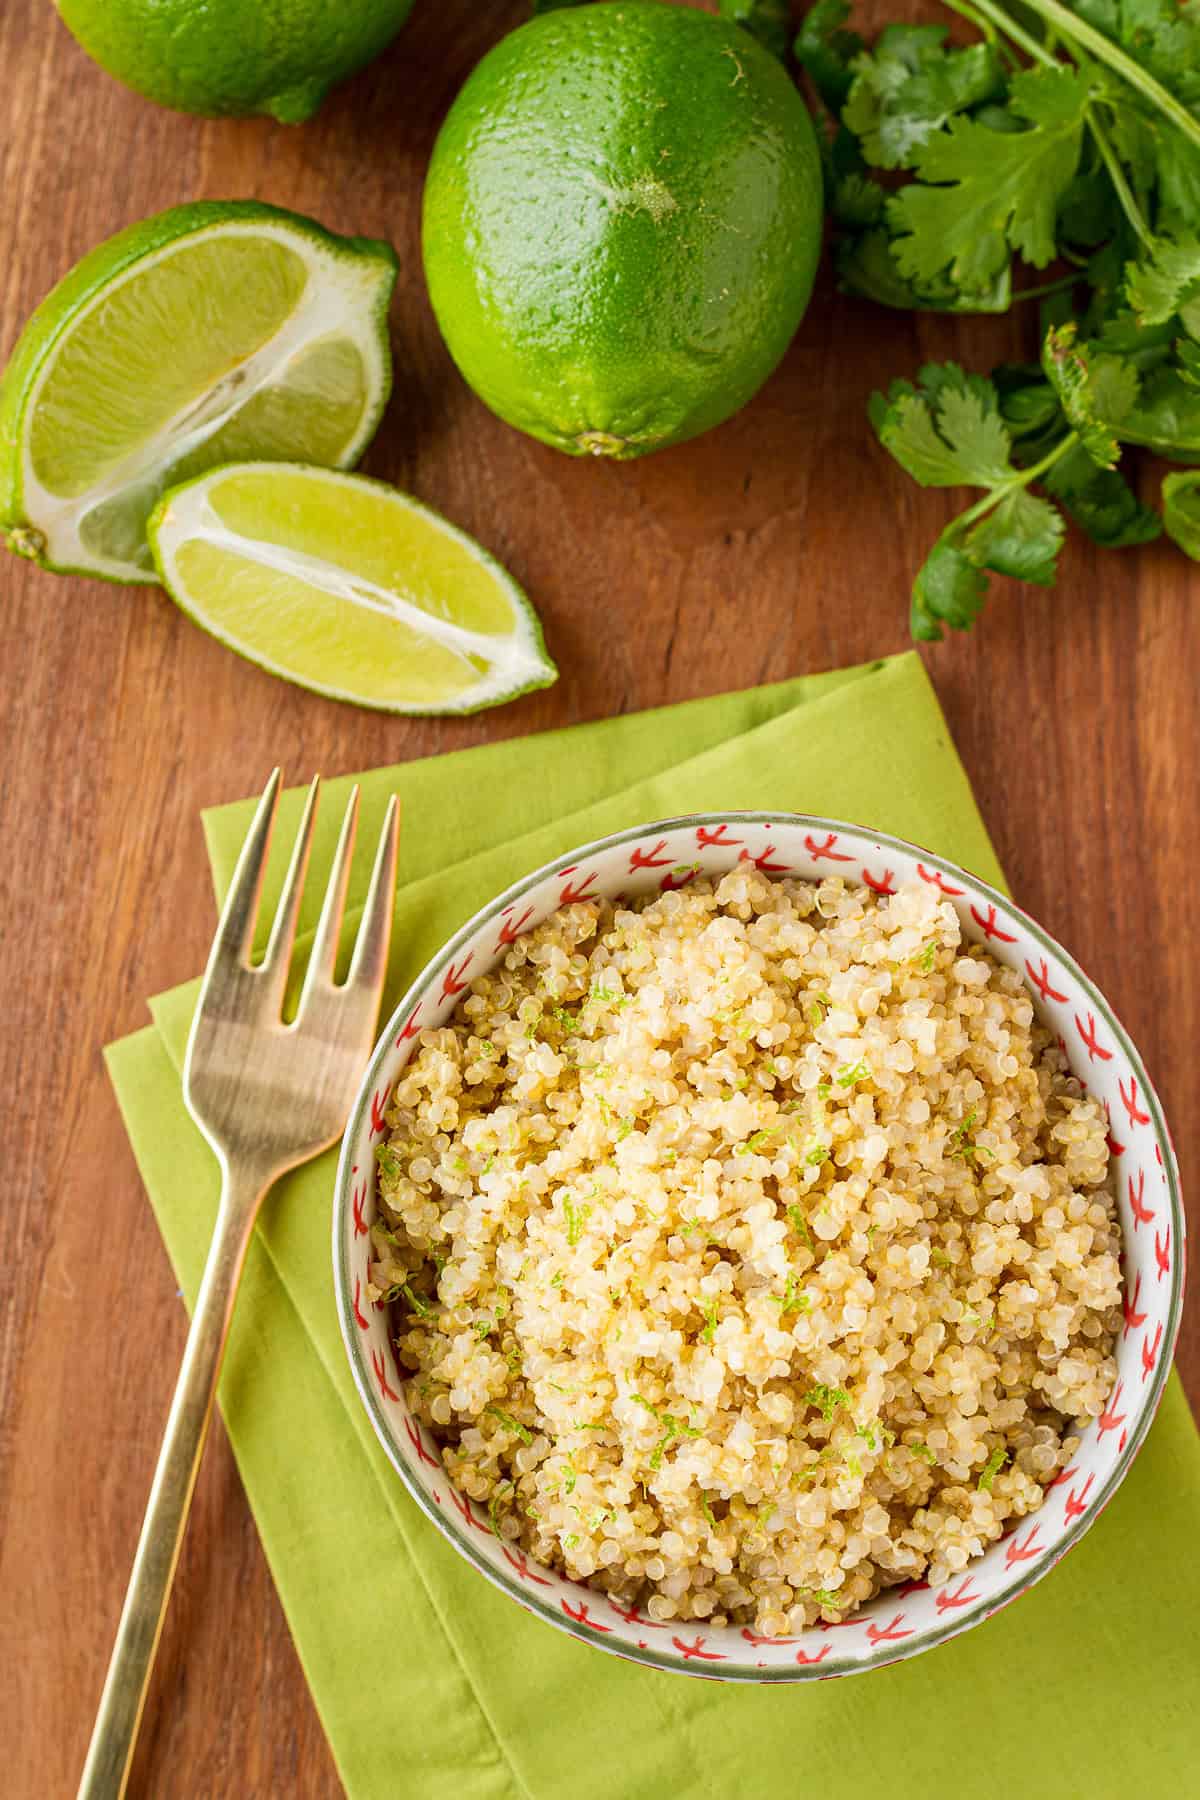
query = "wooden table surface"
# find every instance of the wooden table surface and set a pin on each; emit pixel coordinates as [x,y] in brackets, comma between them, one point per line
[782,542]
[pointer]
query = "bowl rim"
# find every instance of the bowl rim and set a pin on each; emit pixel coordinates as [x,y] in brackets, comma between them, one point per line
[742,1672]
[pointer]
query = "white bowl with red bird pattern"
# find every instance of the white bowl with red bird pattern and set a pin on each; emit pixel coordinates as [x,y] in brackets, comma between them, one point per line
[902,1620]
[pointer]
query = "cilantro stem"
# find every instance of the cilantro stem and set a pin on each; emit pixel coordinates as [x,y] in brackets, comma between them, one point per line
[1116,175]
[1105,51]
[995,495]
[1011,29]
[1047,287]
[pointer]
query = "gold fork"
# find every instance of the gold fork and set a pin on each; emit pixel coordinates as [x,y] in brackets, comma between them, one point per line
[267,1096]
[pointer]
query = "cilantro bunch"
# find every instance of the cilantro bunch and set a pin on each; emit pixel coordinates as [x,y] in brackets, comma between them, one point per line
[1063,136]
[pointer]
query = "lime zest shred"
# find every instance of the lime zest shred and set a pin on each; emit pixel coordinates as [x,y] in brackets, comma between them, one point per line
[707,1510]
[511,1424]
[576,1217]
[390,1166]
[926,956]
[793,1299]
[800,1227]
[924,1452]
[502,1492]
[817,1153]
[850,1074]
[826,1399]
[991,1469]
[419,1306]
[709,1309]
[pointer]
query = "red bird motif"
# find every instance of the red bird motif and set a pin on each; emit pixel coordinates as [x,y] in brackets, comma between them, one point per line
[358,1200]
[803,1656]
[1022,1552]
[824,850]
[377,1363]
[411,1029]
[752,1637]
[1150,1352]
[881,884]
[1111,1419]
[1129,1102]
[1088,1035]
[1162,1253]
[987,923]
[1133,1318]
[1063,1475]
[462,1507]
[363,1324]
[516,1559]
[1142,1214]
[634,1617]
[452,980]
[378,1105]
[763,863]
[1077,1501]
[670,881]
[962,1596]
[1041,981]
[889,1633]
[577,890]
[705,837]
[650,859]
[511,930]
[937,880]
[583,1616]
[413,1434]
[1114,1149]
[697,1649]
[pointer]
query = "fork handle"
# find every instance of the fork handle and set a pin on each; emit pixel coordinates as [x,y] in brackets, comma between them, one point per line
[115,1731]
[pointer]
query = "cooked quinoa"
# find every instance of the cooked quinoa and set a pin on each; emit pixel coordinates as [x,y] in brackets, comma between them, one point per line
[751,1247]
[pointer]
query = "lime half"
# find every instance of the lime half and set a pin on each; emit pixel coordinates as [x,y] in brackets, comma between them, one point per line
[208,334]
[349,588]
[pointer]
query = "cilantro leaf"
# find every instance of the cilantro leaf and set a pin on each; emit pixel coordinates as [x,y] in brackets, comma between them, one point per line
[1101,501]
[983,193]
[1181,510]
[1162,35]
[1021,537]
[1096,391]
[947,431]
[866,266]
[826,50]
[910,85]
[767,20]
[1166,282]
[949,589]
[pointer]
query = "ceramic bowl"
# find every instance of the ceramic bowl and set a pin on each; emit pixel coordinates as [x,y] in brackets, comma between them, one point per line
[903,1620]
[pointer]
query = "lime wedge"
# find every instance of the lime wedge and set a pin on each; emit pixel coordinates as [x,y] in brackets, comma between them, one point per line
[209,334]
[347,587]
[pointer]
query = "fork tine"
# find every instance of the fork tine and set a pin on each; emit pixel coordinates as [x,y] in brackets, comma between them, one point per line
[235,932]
[369,964]
[329,926]
[276,963]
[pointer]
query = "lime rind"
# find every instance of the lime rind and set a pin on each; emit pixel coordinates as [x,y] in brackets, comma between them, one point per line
[346,296]
[512,664]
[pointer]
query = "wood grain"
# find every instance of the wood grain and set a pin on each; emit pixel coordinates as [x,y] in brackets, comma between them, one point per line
[780,543]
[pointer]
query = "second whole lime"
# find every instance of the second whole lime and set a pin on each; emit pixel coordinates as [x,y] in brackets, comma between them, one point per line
[622,222]
[234,57]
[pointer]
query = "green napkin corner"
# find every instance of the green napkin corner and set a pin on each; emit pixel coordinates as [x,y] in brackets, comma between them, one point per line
[428,1680]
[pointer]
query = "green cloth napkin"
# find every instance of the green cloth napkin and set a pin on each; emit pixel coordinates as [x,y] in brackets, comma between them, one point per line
[428,1680]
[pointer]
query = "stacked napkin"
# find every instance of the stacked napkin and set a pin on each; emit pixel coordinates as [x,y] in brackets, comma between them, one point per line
[426,1678]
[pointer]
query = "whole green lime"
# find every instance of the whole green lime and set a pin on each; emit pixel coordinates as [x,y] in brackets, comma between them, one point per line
[622,222]
[234,56]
